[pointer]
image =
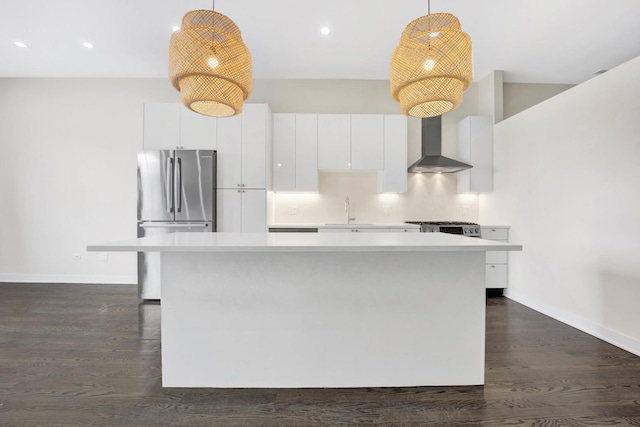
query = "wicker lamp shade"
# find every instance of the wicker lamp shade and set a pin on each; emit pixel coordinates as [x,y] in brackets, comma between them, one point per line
[432,66]
[209,64]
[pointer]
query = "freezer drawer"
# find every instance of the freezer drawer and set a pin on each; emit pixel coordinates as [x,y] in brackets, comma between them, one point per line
[149,277]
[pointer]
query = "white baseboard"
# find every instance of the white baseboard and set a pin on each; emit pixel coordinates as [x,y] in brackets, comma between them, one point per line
[611,336]
[89,279]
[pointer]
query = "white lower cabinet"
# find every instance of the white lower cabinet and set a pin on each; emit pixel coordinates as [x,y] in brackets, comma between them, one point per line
[365,229]
[242,210]
[497,262]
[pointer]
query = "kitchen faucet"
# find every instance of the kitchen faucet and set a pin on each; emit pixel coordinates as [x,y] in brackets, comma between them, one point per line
[347,209]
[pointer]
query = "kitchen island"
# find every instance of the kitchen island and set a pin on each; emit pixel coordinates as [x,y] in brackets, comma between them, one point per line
[320,310]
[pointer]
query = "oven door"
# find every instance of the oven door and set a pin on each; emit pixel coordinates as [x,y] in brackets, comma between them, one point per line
[451,229]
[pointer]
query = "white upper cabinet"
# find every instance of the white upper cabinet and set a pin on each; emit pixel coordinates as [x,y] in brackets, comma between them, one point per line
[197,131]
[334,141]
[393,176]
[295,152]
[307,152]
[229,152]
[475,146]
[171,125]
[284,152]
[255,143]
[161,126]
[367,141]
[350,142]
[243,143]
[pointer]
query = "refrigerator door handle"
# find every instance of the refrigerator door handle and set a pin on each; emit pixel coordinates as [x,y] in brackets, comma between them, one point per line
[169,182]
[174,225]
[179,184]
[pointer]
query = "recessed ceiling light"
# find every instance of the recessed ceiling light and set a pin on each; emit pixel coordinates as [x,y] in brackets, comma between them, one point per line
[87,45]
[175,28]
[325,30]
[20,44]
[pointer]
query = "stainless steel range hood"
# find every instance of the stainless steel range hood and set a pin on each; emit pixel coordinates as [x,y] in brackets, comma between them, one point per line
[432,160]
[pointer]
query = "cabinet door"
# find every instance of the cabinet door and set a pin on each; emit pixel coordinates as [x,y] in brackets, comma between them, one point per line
[197,131]
[495,233]
[475,146]
[229,215]
[254,145]
[161,126]
[229,152]
[388,230]
[496,275]
[497,257]
[367,141]
[334,142]
[393,177]
[306,173]
[254,211]
[284,152]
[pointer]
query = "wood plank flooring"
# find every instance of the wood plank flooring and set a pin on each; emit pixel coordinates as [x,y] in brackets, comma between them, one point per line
[89,355]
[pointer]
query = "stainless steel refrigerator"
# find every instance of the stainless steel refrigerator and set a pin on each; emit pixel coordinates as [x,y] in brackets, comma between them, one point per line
[176,192]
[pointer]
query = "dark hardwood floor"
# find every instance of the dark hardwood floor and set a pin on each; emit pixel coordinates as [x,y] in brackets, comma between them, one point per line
[90,355]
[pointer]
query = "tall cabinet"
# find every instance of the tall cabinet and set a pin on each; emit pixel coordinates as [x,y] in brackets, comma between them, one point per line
[244,175]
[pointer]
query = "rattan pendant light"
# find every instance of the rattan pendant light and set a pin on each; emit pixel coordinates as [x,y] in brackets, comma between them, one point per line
[432,66]
[209,64]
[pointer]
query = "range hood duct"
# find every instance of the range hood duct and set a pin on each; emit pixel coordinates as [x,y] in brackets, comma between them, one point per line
[432,160]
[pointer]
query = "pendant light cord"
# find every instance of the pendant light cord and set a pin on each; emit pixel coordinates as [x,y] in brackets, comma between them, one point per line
[428,7]
[213,6]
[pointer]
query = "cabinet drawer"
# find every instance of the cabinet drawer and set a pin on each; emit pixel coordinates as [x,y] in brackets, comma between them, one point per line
[497,257]
[496,276]
[494,233]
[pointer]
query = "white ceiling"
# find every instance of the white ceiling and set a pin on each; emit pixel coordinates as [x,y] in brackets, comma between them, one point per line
[559,41]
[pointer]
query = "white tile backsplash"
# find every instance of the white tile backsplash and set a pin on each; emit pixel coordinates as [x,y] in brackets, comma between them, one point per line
[429,197]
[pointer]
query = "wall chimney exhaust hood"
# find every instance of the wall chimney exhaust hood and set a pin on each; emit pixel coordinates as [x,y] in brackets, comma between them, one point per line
[432,160]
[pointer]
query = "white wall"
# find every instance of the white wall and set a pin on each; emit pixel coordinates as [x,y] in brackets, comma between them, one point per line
[68,175]
[521,96]
[567,180]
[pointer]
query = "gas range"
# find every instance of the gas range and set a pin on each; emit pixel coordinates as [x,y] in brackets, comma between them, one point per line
[468,229]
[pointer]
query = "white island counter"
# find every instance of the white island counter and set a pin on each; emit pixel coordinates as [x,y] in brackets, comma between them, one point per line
[320,310]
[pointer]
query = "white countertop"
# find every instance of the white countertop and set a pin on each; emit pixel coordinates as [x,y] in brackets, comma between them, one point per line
[303,242]
[352,225]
